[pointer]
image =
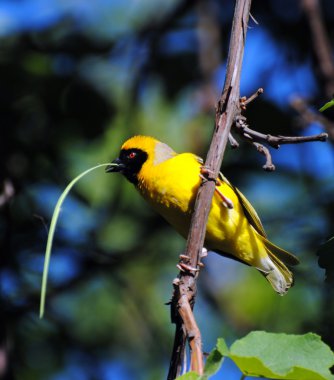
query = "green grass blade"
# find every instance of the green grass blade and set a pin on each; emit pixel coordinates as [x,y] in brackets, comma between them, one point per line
[327,105]
[52,231]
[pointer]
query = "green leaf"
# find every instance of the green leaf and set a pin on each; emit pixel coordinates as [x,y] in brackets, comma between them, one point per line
[283,356]
[213,363]
[327,105]
[190,376]
[222,347]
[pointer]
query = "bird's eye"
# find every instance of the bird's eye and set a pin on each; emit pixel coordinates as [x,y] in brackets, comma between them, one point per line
[132,155]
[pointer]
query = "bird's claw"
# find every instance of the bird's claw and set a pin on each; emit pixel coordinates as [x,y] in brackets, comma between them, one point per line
[207,174]
[184,267]
[226,201]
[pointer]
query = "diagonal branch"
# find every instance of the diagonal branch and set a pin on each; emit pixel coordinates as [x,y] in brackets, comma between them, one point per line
[226,111]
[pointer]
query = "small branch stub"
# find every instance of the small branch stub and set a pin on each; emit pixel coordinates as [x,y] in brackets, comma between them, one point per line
[244,100]
[259,140]
[268,166]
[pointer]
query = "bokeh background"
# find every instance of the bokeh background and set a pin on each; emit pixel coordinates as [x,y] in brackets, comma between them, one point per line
[79,77]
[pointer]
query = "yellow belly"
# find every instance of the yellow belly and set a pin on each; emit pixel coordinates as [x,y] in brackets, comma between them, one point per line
[172,194]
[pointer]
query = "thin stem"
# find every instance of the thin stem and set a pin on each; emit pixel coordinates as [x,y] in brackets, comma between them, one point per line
[52,230]
[226,111]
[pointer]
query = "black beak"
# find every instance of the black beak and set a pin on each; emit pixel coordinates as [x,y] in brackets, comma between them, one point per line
[115,167]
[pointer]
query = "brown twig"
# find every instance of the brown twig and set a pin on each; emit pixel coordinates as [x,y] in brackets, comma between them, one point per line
[233,142]
[226,111]
[257,138]
[244,100]
[192,330]
[176,363]
[268,166]
[274,141]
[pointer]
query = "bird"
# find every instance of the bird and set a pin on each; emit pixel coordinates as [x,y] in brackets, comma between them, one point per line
[169,181]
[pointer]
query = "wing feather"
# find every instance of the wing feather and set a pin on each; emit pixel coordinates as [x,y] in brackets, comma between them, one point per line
[248,209]
[254,220]
[283,255]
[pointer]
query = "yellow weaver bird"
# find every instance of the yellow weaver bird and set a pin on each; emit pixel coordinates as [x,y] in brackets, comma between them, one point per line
[169,182]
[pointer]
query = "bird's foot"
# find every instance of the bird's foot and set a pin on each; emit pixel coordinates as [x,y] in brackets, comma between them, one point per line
[183,265]
[207,174]
[226,201]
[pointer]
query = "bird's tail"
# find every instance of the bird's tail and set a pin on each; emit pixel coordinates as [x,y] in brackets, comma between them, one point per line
[279,276]
[275,269]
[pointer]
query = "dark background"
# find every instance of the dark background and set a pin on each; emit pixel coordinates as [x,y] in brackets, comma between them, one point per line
[77,78]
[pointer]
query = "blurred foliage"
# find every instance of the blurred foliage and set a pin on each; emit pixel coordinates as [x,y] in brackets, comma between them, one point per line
[78,78]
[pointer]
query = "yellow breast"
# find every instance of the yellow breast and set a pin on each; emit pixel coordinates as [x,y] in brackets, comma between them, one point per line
[170,187]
